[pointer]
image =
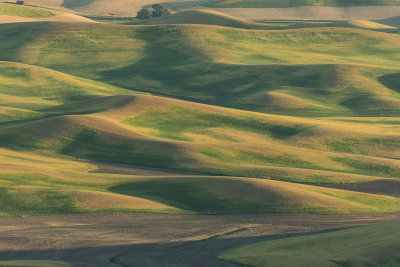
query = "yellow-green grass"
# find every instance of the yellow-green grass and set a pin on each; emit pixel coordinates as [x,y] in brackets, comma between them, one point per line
[38,185]
[34,184]
[294,3]
[26,11]
[360,24]
[34,263]
[213,17]
[30,92]
[51,182]
[204,16]
[161,132]
[54,124]
[232,195]
[307,72]
[375,245]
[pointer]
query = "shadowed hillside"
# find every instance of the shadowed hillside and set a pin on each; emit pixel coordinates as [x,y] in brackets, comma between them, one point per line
[295,3]
[216,119]
[376,246]
[285,72]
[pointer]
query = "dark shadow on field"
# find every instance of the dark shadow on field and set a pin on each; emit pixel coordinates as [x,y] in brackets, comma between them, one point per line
[190,195]
[92,145]
[192,253]
[17,36]
[179,5]
[392,21]
[180,70]
[172,66]
[71,4]
[391,81]
[388,187]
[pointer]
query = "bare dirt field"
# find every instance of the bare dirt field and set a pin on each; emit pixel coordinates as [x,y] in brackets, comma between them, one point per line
[315,13]
[129,8]
[384,187]
[64,17]
[115,7]
[134,239]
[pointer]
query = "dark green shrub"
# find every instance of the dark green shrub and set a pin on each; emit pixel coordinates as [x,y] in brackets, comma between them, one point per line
[145,13]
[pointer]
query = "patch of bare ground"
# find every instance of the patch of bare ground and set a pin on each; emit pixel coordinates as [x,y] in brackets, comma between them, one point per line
[314,13]
[134,239]
[64,17]
[130,169]
[115,7]
[389,187]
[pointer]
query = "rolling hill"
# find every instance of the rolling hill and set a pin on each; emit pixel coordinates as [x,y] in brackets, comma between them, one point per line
[217,18]
[12,13]
[285,72]
[204,16]
[238,116]
[362,246]
[295,3]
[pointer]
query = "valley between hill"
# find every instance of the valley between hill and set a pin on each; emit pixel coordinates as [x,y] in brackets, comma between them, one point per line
[194,115]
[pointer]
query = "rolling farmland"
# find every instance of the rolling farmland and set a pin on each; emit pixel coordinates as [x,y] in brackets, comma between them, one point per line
[196,114]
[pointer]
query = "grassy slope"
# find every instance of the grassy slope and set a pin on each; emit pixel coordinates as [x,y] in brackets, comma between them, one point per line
[63,118]
[35,184]
[375,245]
[26,11]
[29,92]
[204,16]
[161,132]
[294,3]
[134,129]
[286,72]
[213,17]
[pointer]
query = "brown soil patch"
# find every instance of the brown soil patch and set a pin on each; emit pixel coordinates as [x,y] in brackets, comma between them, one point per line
[65,17]
[315,13]
[133,239]
[387,187]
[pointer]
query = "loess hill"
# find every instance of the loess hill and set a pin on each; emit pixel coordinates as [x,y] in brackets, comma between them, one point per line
[229,119]
[296,3]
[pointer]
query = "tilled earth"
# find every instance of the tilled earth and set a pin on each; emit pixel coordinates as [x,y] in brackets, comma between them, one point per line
[134,239]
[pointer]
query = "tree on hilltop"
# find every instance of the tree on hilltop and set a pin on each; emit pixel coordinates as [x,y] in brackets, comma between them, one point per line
[156,10]
[160,10]
[145,13]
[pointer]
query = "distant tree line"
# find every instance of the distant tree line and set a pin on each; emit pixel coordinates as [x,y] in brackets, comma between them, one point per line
[155,11]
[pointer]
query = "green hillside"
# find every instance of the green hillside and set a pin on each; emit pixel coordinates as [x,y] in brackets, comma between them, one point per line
[375,245]
[105,123]
[26,11]
[204,16]
[285,72]
[245,120]
[295,3]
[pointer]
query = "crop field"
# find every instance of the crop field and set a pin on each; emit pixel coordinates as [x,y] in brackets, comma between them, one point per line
[30,12]
[295,3]
[199,114]
[364,246]
[278,105]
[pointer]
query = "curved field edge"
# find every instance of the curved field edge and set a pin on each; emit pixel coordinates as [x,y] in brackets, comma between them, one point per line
[58,191]
[362,246]
[297,3]
[270,72]
[102,124]
[161,132]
